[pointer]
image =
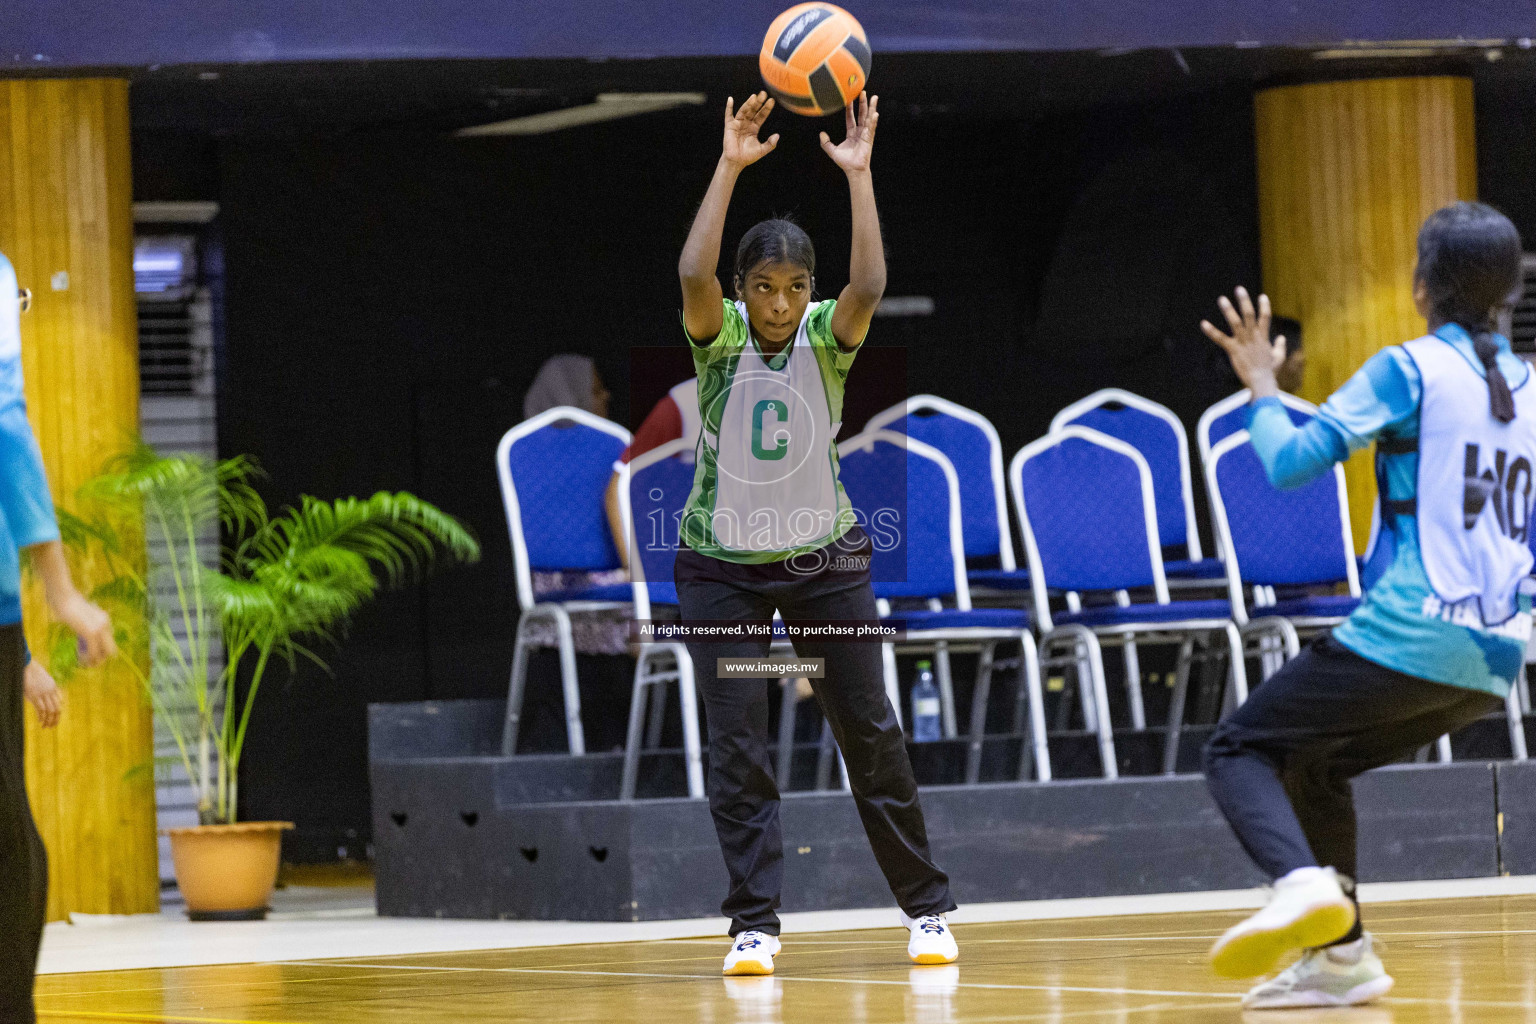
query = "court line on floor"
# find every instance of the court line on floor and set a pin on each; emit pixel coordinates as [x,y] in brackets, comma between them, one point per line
[795,978]
[152,1018]
[996,986]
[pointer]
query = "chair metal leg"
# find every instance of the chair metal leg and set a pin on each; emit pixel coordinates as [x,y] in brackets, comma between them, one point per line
[1176,707]
[892,691]
[787,707]
[1133,686]
[575,737]
[946,680]
[658,719]
[1523,686]
[638,696]
[687,694]
[979,698]
[1239,664]
[518,684]
[1087,683]
[1516,722]
[515,687]
[1443,749]
[1100,699]
[826,748]
[1039,743]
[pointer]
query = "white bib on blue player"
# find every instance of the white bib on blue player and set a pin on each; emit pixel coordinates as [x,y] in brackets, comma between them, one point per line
[1475,486]
[774,486]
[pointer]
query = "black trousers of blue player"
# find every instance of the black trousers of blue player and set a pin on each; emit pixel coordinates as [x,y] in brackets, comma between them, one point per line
[1280,765]
[23,861]
[743,797]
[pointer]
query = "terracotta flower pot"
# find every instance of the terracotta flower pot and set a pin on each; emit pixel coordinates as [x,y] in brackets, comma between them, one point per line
[227,872]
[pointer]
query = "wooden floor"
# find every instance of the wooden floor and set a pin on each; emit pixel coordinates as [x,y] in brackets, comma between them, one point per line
[1456,962]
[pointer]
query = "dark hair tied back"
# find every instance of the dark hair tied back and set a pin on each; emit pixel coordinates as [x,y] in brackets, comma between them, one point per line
[1469,263]
[779,240]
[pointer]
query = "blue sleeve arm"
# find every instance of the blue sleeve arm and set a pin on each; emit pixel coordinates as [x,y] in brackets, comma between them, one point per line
[24,497]
[1383,393]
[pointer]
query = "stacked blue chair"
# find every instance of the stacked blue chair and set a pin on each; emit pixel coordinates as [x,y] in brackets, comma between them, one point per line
[1155,432]
[907,496]
[970,442]
[1228,416]
[653,490]
[1088,508]
[554,470]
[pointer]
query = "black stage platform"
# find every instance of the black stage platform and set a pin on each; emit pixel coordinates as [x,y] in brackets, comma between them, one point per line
[460,831]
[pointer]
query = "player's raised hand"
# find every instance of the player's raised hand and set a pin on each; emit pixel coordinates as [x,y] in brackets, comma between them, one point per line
[853,153]
[1248,346]
[742,146]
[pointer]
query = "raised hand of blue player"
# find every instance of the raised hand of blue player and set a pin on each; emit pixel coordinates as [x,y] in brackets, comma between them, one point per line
[853,153]
[1248,346]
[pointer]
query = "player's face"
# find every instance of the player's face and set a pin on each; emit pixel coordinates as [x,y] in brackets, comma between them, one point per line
[776,295]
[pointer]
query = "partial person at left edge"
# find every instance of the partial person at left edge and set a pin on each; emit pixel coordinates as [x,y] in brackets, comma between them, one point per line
[27,523]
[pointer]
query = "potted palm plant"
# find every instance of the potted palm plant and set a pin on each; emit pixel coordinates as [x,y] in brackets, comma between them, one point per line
[285,584]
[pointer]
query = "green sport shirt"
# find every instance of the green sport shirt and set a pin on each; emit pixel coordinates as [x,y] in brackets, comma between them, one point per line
[716,364]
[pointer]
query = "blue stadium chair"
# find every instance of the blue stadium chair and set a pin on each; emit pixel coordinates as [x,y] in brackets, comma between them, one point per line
[1297,538]
[1230,415]
[554,470]
[970,442]
[1155,432]
[907,496]
[653,490]
[1088,509]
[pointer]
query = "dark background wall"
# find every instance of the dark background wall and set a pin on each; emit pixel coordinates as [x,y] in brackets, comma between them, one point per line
[390,294]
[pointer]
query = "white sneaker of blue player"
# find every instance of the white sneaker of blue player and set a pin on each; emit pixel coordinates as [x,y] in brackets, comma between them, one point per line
[752,953]
[1308,908]
[1346,975]
[932,942]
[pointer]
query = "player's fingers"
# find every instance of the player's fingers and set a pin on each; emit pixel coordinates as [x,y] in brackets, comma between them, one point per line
[826,143]
[1278,349]
[850,122]
[1233,320]
[1245,305]
[773,140]
[728,109]
[1210,330]
[1264,314]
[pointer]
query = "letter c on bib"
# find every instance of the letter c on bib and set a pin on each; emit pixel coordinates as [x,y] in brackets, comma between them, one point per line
[781,439]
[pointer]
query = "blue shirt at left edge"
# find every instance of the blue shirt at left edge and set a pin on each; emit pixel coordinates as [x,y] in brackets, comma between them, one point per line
[26,507]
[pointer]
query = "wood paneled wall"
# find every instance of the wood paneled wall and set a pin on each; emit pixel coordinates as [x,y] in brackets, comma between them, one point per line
[66,209]
[1347,172]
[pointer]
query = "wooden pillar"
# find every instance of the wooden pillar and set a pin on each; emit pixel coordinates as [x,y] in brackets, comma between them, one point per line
[66,222]
[1347,172]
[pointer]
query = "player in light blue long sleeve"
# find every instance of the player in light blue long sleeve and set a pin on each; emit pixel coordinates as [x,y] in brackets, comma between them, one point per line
[27,522]
[1381,401]
[1438,638]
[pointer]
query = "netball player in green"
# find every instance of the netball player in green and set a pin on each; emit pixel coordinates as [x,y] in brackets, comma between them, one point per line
[768,528]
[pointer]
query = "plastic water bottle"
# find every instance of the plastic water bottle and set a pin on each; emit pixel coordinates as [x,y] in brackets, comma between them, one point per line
[925,705]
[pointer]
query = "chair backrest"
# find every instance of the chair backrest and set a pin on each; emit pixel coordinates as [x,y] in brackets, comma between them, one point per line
[1155,432]
[653,491]
[970,442]
[554,470]
[1087,509]
[1276,537]
[1230,415]
[906,496]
